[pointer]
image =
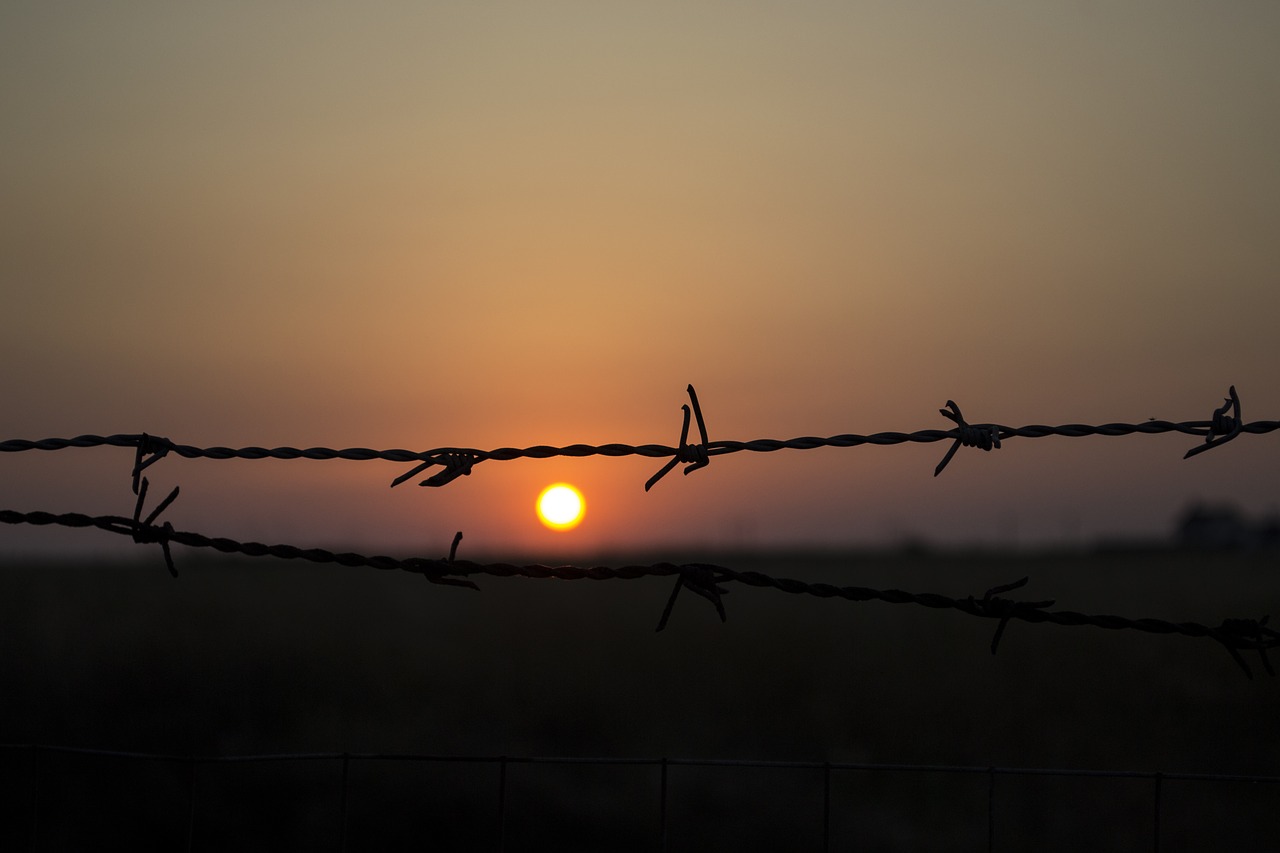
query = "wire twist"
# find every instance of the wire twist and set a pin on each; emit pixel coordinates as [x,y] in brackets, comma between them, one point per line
[145,531]
[702,580]
[457,463]
[993,606]
[151,449]
[1223,427]
[985,437]
[695,455]
[1249,634]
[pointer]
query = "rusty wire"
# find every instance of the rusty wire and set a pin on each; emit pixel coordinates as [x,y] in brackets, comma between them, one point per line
[460,461]
[708,581]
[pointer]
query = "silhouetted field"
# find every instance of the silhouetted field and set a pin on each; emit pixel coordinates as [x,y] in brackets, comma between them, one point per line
[241,656]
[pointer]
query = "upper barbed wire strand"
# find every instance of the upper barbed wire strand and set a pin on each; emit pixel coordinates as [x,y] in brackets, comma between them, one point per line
[1200,429]
[459,461]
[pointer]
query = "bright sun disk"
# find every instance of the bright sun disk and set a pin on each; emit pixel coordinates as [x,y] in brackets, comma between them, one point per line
[560,506]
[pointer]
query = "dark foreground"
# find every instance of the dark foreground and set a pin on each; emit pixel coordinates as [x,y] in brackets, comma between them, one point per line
[263,657]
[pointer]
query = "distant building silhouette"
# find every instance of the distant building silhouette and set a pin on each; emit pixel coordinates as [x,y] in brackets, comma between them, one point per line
[1225,527]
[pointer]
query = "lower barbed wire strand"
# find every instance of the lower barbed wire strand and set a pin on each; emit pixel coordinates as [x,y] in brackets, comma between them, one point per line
[1234,634]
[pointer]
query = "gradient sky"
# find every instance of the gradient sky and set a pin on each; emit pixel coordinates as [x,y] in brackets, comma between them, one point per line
[419,225]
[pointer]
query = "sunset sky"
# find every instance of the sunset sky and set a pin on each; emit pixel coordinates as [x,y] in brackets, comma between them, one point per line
[476,224]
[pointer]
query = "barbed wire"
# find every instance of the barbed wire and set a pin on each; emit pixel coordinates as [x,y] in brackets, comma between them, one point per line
[703,579]
[1225,425]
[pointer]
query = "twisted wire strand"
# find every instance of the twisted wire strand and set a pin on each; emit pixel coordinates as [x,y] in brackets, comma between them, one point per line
[656,451]
[459,461]
[617,449]
[1235,635]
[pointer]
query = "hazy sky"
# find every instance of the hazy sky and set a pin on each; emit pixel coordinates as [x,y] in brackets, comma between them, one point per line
[419,225]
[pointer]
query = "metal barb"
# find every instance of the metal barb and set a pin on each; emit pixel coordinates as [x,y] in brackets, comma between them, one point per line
[447,581]
[985,437]
[154,445]
[1004,609]
[1223,427]
[457,463]
[1236,634]
[145,530]
[694,454]
[700,579]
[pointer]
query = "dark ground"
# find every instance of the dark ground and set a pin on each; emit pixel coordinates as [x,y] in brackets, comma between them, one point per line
[241,657]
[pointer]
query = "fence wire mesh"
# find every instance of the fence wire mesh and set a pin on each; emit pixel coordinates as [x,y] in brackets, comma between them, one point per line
[662,807]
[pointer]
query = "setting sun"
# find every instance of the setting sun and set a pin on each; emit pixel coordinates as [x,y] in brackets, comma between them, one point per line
[560,506]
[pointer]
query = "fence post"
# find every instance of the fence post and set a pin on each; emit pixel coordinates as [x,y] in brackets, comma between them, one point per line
[826,806]
[991,810]
[662,805]
[35,796]
[191,805]
[342,829]
[1155,834]
[502,803]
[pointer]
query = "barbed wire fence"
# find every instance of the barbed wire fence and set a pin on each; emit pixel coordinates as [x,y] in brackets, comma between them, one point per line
[1238,636]
[1235,635]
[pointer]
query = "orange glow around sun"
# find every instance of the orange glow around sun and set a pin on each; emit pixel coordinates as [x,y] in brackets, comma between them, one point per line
[560,506]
